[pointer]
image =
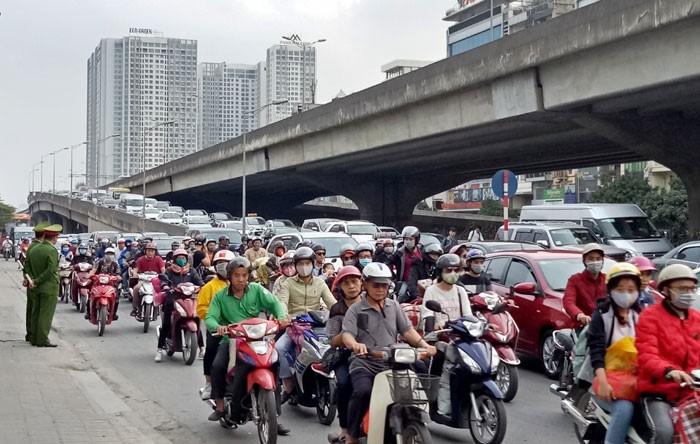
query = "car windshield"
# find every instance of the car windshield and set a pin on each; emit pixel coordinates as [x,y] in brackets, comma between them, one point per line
[563,236]
[557,271]
[233,235]
[177,209]
[152,211]
[163,244]
[221,216]
[283,223]
[283,230]
[198,220]
[254,221]
[162,205]
[508,246]
[333,244]
[109,201]
[628,228]
[362,229]
[196,213]
[133,202]
[169,215]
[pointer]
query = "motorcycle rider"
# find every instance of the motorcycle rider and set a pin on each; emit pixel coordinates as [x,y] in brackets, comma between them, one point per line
[206,294]
[451,239]
[320,252]
[74,245]
[299,294]
[256,252]
[348,288]
[615,318]
[383,253]
[199,256]
[127,259]
[107,265]
[7,243]
[474,278]
[179,272]
[364,253]
[402,259]
[104,244]
[66,254]
[287,270]
[121,246]
[173,248]
[386,321]
[211,247]
[149,262]
[423,269]
[348,256]
[82,256]
[239,301]
[585,288]
[647,296]
[451,296]
[668,349]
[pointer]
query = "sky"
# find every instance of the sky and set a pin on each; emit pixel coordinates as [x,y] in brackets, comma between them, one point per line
[45,45]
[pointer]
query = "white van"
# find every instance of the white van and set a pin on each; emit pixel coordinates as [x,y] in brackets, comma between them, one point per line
[131,203]
[622,225]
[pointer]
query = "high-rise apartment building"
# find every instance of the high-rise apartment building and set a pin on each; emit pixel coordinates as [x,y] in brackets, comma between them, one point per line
[228,94]
[290,74]
[134,84]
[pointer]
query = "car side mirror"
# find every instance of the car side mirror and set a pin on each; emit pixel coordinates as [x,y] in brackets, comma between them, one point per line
[529,288]
[543,242]
[363,321]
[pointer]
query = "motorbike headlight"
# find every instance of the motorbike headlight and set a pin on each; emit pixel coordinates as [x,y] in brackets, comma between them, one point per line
[475,329]
[469,362]
[256,331]
[104,279]
[180,310]
[404,356]
[495,360]
[187,290]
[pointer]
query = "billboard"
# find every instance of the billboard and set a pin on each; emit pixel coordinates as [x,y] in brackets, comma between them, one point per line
[469,196]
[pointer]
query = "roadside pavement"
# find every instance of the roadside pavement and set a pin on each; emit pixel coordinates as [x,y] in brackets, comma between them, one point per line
[53,395]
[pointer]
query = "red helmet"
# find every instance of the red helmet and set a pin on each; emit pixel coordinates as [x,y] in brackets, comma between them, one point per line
[348,270]
[642,263]
[151,246]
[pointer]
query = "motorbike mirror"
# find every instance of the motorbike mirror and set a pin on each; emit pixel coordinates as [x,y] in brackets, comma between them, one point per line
[499,308]
[363,321]
[529,288]
[433,305]
[695,374]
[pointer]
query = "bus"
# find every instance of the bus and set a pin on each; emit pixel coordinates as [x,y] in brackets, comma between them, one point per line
[115,192]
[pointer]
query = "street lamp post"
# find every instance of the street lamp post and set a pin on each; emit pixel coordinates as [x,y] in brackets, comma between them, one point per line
[53,185]
[294,38]
[41,173]
[143,168]
[97,157]
[34,169]
[70,191]
[246,116]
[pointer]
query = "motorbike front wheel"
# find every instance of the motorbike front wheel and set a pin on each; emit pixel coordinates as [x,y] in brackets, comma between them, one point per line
[83,303]
[267,412]
[416,433]
[101,320]
[189,347]
[491,428]
[146,314]
[507,380]
[325,409]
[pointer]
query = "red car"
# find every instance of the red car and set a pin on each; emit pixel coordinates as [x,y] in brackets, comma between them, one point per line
[536,281]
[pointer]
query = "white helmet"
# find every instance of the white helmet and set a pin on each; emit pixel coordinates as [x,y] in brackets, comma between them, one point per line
[110,250]
[223,255]
[377,272]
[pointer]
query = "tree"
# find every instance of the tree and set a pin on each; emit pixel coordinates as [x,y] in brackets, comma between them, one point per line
[630,188]
[491,207]
[6,213]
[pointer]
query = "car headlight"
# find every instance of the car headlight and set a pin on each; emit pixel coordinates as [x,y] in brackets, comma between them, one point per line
[256,331]
[469,362]
[180,310]
[404,355]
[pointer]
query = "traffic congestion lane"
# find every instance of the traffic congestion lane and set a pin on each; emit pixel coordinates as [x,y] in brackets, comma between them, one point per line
[125,353]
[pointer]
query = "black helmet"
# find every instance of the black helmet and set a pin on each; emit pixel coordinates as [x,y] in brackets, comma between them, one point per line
[364,246]
[199,239]
[238,262]
[305,243]
[304,253]
[411,231]
[448,261]
[317,247]
[433,249]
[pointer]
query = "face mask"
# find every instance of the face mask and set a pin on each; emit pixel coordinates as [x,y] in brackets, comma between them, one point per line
[409,244]
[388,250]
[451,278]
[477,268]
[82,251]
[288,270]
[304,270]
[221,269]
[594,267]
[365,262]
[109,258]
[349,262]
[683,301]
[181,262]
[65,249]
[212,248]
[624,300]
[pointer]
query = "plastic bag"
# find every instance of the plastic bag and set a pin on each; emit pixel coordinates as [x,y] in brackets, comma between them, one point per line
[621,369]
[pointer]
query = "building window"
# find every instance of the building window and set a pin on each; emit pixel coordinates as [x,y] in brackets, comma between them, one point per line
[474,41]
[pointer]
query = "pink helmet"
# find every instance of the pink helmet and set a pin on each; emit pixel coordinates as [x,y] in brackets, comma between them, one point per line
[180,252]
[642,263]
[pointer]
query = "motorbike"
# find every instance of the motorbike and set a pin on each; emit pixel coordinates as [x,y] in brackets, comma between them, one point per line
[476,400]
[310,388]
[148,311]
[103,296]
[251,342]
[65,273]
[398,406]
[80,287]
[22,256]
[503,334]
[564,341]
[185,323]
[7,251]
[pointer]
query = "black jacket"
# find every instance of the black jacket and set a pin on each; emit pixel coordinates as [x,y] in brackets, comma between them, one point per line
[170,279]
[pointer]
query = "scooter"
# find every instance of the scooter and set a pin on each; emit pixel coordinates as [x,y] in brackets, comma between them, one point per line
[310,388]
[65,272]
[476,400]
[103,296]
[503,334]
[564,341]
[80,288]
[252,342]
[398,406]
[148,312]
[7,252]
[185,324]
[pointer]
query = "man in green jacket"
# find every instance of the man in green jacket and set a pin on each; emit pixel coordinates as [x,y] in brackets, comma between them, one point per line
[43,279]
[38,238]
[239,301]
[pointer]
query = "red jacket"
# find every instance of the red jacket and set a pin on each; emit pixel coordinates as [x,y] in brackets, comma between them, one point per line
[582,292]
[664,342]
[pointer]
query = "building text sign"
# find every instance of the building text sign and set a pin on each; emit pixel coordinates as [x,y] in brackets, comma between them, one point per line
[145,31]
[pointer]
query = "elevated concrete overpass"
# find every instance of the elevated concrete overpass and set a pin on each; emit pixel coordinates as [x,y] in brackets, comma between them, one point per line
[617,81]
[79,216]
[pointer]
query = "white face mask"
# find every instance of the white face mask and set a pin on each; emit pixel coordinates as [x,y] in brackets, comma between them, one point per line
[594,267]
[221,269]
[623,299]
[304,270]
[409,244]
[388,250]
